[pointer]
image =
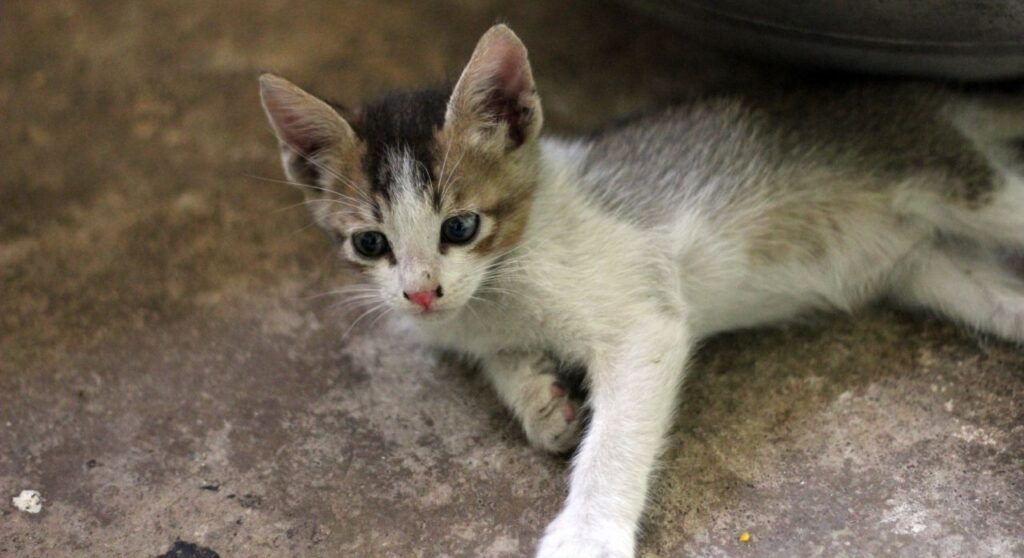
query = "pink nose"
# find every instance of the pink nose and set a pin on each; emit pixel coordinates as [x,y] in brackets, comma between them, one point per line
[424,298]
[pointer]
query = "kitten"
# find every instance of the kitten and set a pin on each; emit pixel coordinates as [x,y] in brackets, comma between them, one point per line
[621,251]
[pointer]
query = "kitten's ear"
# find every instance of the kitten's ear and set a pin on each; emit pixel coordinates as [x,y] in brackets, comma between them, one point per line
[495,103]
[302,122]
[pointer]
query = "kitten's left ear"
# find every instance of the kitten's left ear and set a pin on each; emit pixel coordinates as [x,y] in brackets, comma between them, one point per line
[495,103]
[302,122]
[309,130]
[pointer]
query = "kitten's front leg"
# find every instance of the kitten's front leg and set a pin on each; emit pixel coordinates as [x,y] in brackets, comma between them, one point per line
[632,399]
[529,385]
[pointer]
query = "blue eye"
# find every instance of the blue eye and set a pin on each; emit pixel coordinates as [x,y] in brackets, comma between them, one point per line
[370,244]
[460,229]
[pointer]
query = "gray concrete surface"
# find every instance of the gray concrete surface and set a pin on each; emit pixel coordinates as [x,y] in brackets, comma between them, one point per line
[167,372]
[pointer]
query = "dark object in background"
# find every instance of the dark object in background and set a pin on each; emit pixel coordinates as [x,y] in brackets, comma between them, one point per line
[182,549]
[955,39]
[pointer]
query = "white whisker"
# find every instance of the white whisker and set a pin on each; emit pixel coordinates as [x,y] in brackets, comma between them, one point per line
[344,336]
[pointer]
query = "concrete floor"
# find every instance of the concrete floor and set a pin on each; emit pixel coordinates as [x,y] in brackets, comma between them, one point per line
[168,374]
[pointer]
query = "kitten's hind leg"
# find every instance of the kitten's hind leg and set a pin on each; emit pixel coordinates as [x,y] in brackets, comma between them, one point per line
[531,386]
[997,218]
[968,283]
[984,197]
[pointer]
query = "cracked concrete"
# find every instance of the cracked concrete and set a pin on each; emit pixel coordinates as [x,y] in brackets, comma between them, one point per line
[169,373]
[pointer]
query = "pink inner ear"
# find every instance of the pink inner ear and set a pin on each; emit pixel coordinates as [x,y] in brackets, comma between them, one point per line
[293,125]
[507,85]
[296,133]
[511,76]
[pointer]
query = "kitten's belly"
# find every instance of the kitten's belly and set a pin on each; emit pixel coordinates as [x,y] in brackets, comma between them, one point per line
[748,307]
[757,295]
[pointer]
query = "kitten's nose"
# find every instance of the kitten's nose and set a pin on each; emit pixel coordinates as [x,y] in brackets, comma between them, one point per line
[424,298]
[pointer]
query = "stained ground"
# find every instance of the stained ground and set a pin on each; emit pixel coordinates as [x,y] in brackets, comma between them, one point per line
[173,377]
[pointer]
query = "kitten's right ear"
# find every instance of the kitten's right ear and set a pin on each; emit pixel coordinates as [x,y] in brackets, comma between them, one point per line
[495,102]
[302,122]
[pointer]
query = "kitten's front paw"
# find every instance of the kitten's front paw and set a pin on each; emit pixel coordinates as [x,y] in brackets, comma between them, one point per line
[550,418]
[566,538]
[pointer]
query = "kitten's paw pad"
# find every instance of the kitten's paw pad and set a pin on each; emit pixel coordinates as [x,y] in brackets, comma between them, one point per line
[568,408]
[551,419]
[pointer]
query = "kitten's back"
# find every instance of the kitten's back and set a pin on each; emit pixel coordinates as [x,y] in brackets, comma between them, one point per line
[727,148]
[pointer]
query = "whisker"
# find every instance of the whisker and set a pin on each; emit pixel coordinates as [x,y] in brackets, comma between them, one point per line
[470,306]
[381,315]
[444,163]
[344,290]
[355,300]
[310,202]
[360,318]
[297,185]
[300,230]
[311,160]
[357,297]
[301,186]
[334,174]
[346,308]
[449,182]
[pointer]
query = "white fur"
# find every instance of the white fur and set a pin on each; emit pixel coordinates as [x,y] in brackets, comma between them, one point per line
[740,241]
[630,302]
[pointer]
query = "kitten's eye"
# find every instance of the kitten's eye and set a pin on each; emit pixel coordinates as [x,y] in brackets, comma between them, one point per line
[460,229]
[371,244]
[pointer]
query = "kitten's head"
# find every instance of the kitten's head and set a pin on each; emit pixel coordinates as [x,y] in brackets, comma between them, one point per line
[423,191]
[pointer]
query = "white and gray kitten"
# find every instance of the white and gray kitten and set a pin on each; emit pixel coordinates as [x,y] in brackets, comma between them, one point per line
[622,251]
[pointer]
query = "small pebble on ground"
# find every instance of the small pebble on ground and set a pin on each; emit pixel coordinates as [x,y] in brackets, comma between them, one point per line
[29,501]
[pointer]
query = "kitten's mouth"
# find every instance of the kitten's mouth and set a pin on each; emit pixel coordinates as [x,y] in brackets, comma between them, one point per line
[434,314]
